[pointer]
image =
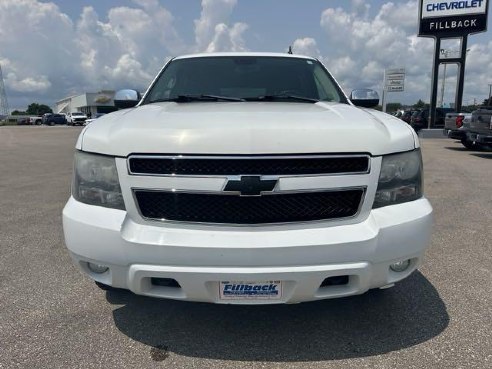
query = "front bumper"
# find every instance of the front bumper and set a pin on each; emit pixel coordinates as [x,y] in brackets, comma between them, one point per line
[199,258]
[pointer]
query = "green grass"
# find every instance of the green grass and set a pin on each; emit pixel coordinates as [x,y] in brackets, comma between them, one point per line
[8,123]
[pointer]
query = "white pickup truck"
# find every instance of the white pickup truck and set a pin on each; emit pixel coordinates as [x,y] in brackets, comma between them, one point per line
[76,118]
[35,120]
[247,178]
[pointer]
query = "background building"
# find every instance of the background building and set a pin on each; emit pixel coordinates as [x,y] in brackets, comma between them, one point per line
[88,103]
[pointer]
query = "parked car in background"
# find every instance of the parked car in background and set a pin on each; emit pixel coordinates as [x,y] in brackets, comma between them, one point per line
[52,119]
[36,120]
[416,120]
[76,118]
[421,119]
[398,113]
[453,124]
[407,115]
[23,121]
[479,134]
[98,115]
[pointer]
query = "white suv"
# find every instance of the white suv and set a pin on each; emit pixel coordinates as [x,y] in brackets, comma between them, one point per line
[76,118]
[247,178]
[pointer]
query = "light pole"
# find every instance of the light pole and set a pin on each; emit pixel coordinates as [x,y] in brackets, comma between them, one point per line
[490,94]
[446,54]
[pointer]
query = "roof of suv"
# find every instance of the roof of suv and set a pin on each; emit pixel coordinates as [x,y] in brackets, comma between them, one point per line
[258,54]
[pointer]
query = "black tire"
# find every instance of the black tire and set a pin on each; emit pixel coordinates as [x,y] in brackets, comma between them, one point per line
[38,122]
[105,287]
[51,123]
[467,144]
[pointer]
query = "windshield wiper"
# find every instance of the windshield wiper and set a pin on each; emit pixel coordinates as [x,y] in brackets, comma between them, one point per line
[283,97]
[190,98]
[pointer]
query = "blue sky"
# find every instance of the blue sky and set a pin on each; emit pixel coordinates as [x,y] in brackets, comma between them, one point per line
[274,23]
[92,45]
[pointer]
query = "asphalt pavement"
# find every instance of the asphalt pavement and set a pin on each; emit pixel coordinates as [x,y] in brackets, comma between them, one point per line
[52,316]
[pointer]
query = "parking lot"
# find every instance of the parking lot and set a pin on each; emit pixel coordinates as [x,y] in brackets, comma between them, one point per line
[54,317]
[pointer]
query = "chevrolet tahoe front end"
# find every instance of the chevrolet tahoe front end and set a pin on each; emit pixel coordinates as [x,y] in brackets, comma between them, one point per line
[242,193]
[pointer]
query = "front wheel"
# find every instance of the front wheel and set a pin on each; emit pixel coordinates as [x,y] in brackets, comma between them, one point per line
[468,144]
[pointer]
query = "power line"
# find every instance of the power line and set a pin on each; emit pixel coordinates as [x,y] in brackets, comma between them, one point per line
[4,104]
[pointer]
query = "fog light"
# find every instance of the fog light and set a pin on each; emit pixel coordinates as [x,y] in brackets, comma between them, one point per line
[400,266]
[97,268]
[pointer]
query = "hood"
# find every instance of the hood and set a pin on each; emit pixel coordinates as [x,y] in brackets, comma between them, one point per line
[246,128]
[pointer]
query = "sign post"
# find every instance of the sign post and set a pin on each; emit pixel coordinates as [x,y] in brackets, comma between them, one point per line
[443,19]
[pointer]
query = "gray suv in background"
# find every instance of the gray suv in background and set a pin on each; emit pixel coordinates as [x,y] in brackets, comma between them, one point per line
[480,130]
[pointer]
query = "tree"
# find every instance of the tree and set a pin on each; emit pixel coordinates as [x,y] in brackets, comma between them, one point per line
[391,107]
[38,109]
[420,104]
[17,112]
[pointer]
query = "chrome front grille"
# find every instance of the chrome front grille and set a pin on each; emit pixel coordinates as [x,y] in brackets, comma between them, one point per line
[277,188]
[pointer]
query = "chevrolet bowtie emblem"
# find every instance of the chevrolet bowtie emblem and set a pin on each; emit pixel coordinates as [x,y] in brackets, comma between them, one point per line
[250,185]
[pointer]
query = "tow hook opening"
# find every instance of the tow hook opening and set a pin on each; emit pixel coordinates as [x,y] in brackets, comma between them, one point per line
[339,280]
[165,282]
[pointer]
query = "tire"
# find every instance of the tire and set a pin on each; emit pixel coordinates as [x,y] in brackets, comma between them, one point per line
[105,287]
[468,144]
[51,123]
[38,122]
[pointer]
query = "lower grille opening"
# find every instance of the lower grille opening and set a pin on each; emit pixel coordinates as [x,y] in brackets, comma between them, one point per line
[165,282]
[232,209]
[339,280]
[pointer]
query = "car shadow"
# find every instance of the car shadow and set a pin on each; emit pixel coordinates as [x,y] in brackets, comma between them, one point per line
[459,148]
[371,324]
[484,155]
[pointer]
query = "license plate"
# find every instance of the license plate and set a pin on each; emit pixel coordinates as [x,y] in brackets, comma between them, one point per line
[240,290]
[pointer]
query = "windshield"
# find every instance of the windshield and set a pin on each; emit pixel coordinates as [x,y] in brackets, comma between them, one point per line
[245,77]
[76,113]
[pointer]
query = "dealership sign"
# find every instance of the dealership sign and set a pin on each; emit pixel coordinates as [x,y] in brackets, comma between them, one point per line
[394,80]
[452,18]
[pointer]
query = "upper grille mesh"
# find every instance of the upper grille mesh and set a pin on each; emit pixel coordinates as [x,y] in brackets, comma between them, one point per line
[248,166]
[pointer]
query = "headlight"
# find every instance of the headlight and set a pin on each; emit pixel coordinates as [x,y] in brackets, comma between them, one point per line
[96,182]
[400,179]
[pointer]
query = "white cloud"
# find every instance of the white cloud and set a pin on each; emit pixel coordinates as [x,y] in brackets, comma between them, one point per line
[361,47]
[227,38]
[306,46]
[46,55]
[60,56]
[371,44]
[212,34]
[39,84]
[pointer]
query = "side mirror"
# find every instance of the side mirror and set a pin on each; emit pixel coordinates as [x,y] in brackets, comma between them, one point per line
[364,98]
[124,99]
